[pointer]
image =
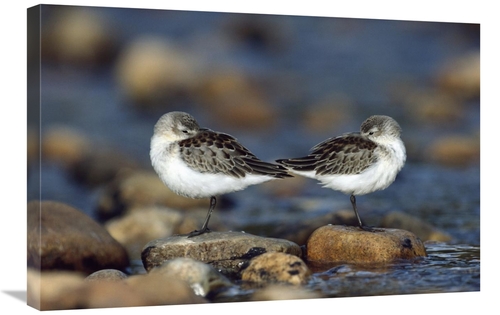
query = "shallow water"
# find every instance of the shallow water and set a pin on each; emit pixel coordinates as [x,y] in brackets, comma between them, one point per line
[447,269]
[359,58]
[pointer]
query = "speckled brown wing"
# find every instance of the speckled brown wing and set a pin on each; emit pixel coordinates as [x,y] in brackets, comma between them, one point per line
[347,154]
[213,152]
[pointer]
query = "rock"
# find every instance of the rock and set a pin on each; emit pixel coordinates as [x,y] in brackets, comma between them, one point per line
[431,106]
[105,294]
[276,267]
[275,292]
[56,290]
[107,275]
[455,151]
[260,32]
[139,189]
[334,243]
[461,77]
[32,148]
[140,290]
[87,161]
[154,72]
[290,187]
[159,289]
[78,36]
[62,237]
[139,226]
[226,251]
[194,219]
[33,165]
[203,278]
[422,229]
[101,166]
[48,290]
[299,231]
[235,101]
[64,145]
[330,112]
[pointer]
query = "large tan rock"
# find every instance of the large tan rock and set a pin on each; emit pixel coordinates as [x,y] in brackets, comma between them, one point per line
[347,244]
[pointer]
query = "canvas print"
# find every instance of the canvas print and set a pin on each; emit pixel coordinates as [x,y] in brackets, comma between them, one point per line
[189,157]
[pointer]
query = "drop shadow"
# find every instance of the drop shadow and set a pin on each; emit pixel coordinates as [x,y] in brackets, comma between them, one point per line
[19,295]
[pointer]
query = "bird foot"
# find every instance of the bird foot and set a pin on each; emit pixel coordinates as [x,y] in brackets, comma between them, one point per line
[367,228]
[196,232]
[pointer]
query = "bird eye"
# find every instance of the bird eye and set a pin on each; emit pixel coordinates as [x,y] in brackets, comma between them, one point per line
[185,131]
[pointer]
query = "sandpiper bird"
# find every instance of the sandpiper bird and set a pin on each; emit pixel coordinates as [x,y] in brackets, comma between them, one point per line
[199,163]
[355,163]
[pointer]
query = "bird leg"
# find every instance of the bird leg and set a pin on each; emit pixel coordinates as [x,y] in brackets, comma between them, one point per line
[363,227]
[353,202]
[204,228]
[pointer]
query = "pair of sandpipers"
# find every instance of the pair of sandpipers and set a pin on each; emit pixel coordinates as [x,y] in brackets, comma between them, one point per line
[199,163]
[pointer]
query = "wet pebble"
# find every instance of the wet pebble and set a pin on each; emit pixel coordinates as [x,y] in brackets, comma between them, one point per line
[228,252]
[139,226]
[106,275]
[69,290]
[259,32]
[274,292]
[455,150]
[434,106]
[290,187]
[234,100]
[334,243]
[64,145]
[140,188]
[159,289]
[424,230]
[32,150]
[100,166]
[153,72]
[87,161]
[48,290]
[461,76]
[62,237]
[203,278]
[276,267]
[79,36]
[328,114]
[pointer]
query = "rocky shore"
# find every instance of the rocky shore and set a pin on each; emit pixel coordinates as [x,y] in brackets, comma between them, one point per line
[75,262]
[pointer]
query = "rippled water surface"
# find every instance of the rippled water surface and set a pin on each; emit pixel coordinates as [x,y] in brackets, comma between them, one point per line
[448,268]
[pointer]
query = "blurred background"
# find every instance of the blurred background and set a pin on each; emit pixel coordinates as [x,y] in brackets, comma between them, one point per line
[279,84]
